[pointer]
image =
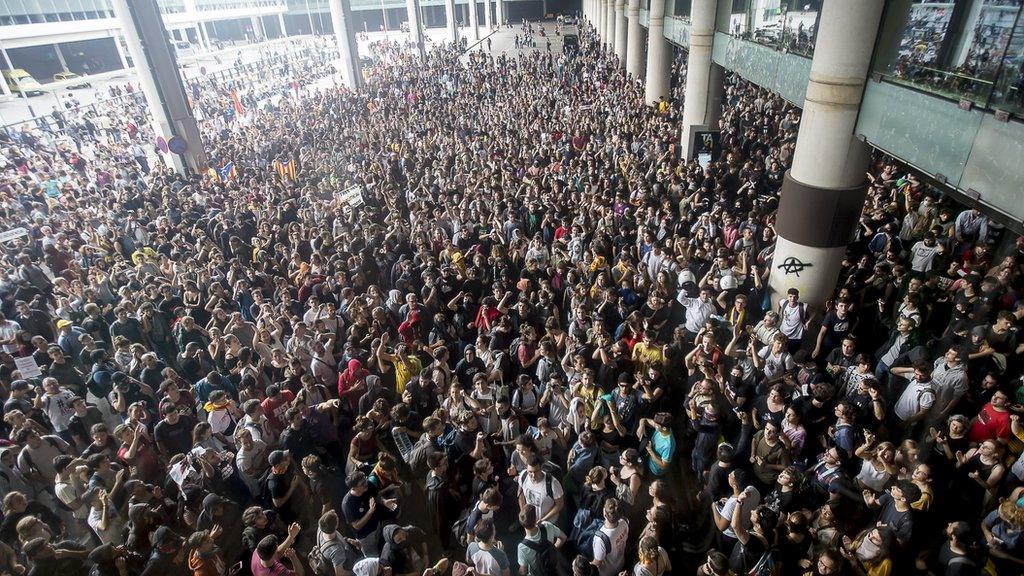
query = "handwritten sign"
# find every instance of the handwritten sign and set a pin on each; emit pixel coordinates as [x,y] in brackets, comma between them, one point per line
[351,196]
[28,367]
[12,234]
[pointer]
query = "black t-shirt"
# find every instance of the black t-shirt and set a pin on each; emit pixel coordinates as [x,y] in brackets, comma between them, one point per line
[175,438]
[837,328]
[745,556]
[465,370]
[355,507]
[956,564]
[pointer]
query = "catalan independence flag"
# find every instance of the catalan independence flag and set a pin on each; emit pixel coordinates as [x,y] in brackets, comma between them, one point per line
[285,169]
[227,171]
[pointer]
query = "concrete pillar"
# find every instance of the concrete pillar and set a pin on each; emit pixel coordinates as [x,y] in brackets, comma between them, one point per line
[412,8]
[453,26]
[620,32]
[60,58]
[474,27]
[698,70]
[823,192]
[257,28]
[160,80]
[634,41]
[967,32]
[120,49]
[341,19]
[499,12]
[7,66]
[609,24]
[488,24]
[658,70]
[599,19]
[280,22]
[201,36]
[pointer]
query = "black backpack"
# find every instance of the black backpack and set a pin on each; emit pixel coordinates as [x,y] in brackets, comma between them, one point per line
[547,555]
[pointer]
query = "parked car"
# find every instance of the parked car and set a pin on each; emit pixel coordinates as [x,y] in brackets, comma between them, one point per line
[77,80]
[22,82]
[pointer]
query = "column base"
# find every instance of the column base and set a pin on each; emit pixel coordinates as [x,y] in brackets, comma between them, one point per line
[815,225]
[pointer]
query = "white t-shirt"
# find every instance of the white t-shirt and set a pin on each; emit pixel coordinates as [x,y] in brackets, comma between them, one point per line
[921,256]
[916,396]
[115,526]
[8,330]
[792,319]
[612,560]
[536,493]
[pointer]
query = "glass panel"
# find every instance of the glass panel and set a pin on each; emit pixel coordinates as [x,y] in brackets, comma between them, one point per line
[1008,92]
[682,9]
[788,25]
[952,49]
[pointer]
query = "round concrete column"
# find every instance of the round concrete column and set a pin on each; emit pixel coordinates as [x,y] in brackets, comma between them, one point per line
[450,23]
[698,68]
[499,13]
[412,9]
[634,41]
[341,19]
[474,26]
[488,25]
[609,24]
[620,32]
[658,70]
[823,193]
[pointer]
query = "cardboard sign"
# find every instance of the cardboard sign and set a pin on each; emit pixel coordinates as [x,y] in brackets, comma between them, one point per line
[28,367]
[352,197]
[12,234]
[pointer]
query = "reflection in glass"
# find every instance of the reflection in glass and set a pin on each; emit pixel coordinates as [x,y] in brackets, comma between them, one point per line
[954,49]
[1008,92]
[788,25]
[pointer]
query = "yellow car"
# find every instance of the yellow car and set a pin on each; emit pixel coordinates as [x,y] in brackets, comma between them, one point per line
[78,81]
[22,82]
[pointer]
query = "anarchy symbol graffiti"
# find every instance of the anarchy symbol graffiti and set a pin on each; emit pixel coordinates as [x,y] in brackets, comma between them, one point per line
[793,265]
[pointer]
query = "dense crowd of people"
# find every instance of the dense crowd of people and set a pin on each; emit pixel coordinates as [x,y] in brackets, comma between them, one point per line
[480,317]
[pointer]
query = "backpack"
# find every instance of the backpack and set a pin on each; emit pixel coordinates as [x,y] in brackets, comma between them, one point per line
[318,562]
[547,558]
[549,481]
[801,310]
[585,539]
[460,528]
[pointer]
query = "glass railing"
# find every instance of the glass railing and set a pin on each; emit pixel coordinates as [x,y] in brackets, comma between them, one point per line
[969,50]
[786,25]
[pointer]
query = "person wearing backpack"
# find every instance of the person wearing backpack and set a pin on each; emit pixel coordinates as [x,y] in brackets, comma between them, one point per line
[539,553]
[794,319]
[609,543]
[540,489]
[333,555]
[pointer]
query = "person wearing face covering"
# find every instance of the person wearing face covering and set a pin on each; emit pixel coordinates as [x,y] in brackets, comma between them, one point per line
[869,553]
[405,550]
[351,385]
[219,511]
[374,390]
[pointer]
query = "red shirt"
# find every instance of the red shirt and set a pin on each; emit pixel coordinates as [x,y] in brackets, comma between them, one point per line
[990,425]
[275,409]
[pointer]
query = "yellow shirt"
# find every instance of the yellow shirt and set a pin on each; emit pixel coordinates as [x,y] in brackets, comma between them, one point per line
[405,371]
[646,355]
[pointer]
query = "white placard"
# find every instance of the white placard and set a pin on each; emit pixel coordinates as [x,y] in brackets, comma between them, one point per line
[351,196]
[12,234]
[28,367]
